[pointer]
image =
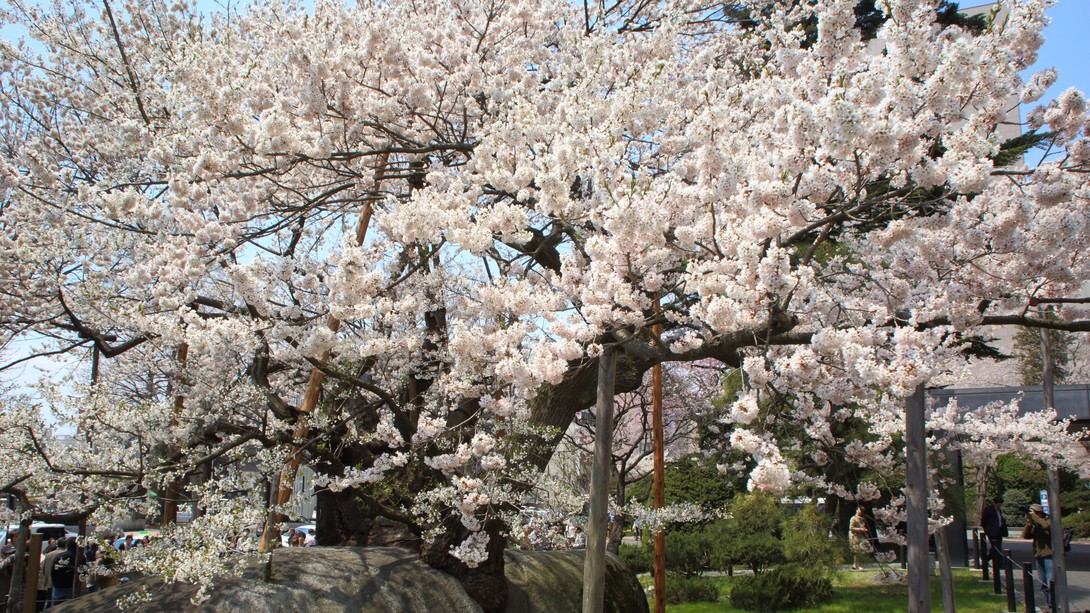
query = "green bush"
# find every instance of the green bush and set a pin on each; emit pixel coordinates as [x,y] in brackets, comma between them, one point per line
[681,589]
[806,540]
[638,558]
[784,587]
[1015,505]
[1080,522]
[752,536]
[689,549]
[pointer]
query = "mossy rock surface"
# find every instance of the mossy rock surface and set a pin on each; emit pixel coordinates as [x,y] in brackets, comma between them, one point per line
[381,580]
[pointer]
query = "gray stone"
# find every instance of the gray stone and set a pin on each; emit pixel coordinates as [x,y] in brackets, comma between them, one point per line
[381,580]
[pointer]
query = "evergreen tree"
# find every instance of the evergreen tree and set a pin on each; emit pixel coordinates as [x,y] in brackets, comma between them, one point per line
[1027,349]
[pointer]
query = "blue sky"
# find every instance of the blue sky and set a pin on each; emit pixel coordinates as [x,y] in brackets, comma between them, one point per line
[1067,46]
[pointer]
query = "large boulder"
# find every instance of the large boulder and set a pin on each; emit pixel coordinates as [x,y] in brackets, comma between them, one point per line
[380,580]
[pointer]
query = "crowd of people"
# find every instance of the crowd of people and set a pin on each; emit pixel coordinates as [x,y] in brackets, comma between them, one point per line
[59,567]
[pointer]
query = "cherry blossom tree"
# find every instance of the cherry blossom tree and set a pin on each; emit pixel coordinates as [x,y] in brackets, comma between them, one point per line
[390,240]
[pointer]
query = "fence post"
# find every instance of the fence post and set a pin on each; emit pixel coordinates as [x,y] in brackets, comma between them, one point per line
[986,557]
[1027,587]
[34,555]
[1012,603]
[997,584]
[904,557]
[976,547]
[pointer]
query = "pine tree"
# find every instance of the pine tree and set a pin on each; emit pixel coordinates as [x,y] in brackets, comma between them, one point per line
[1027,349]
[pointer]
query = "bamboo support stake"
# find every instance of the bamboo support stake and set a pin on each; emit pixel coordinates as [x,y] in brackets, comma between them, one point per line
[658,481]
[314,387]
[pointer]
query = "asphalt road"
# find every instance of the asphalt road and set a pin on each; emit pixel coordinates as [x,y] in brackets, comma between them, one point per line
[1078,572]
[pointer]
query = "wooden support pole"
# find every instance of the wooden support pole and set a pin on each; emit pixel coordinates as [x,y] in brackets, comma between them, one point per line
[919,587]
[33,569]
[17,591]
[942,549]
[594,565]
[314,386]
[1059,564]
[658,480]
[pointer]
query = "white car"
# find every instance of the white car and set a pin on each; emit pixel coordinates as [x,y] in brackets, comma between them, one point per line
[48,531]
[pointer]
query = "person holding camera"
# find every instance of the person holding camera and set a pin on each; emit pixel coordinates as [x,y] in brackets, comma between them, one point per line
[1039,529]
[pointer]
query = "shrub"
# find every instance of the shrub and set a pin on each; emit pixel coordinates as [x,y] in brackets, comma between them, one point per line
[638,558]
[785,587]
[806,541]
[688,549]
[752,536]
[1015,505]
[1080,522]
[680,589]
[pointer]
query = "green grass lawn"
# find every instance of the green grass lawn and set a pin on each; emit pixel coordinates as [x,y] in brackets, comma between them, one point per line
[856,592]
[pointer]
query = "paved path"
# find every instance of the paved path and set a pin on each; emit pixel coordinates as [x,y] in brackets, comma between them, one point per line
[1078,575]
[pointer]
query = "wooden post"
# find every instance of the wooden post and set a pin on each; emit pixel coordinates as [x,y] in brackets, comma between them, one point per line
[942,547]
[17,592]
[594,565]
[1008,572]
[1028,586]
[314,383]
[33,568]
[1059,564]
[658,480]
[919,588]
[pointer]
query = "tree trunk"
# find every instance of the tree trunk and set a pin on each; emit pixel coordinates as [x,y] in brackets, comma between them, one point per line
[555,406]
[486,583]
[342,520]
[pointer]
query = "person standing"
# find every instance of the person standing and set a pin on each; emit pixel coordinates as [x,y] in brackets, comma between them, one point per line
[45,573]
[63,573]
[1039,530]
[858,537]
[995,527]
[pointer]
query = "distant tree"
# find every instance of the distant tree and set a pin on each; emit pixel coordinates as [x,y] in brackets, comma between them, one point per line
[1027,349]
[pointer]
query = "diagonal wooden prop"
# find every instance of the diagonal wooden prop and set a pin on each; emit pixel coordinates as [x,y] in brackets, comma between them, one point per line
[314,387]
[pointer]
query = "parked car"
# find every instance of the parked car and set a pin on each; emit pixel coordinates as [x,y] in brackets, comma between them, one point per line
[48,531]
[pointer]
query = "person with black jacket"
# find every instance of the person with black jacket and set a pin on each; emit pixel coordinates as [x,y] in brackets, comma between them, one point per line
[63,572]
[995,527]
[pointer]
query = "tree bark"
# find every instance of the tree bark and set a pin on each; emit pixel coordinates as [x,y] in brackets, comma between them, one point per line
[486,583]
